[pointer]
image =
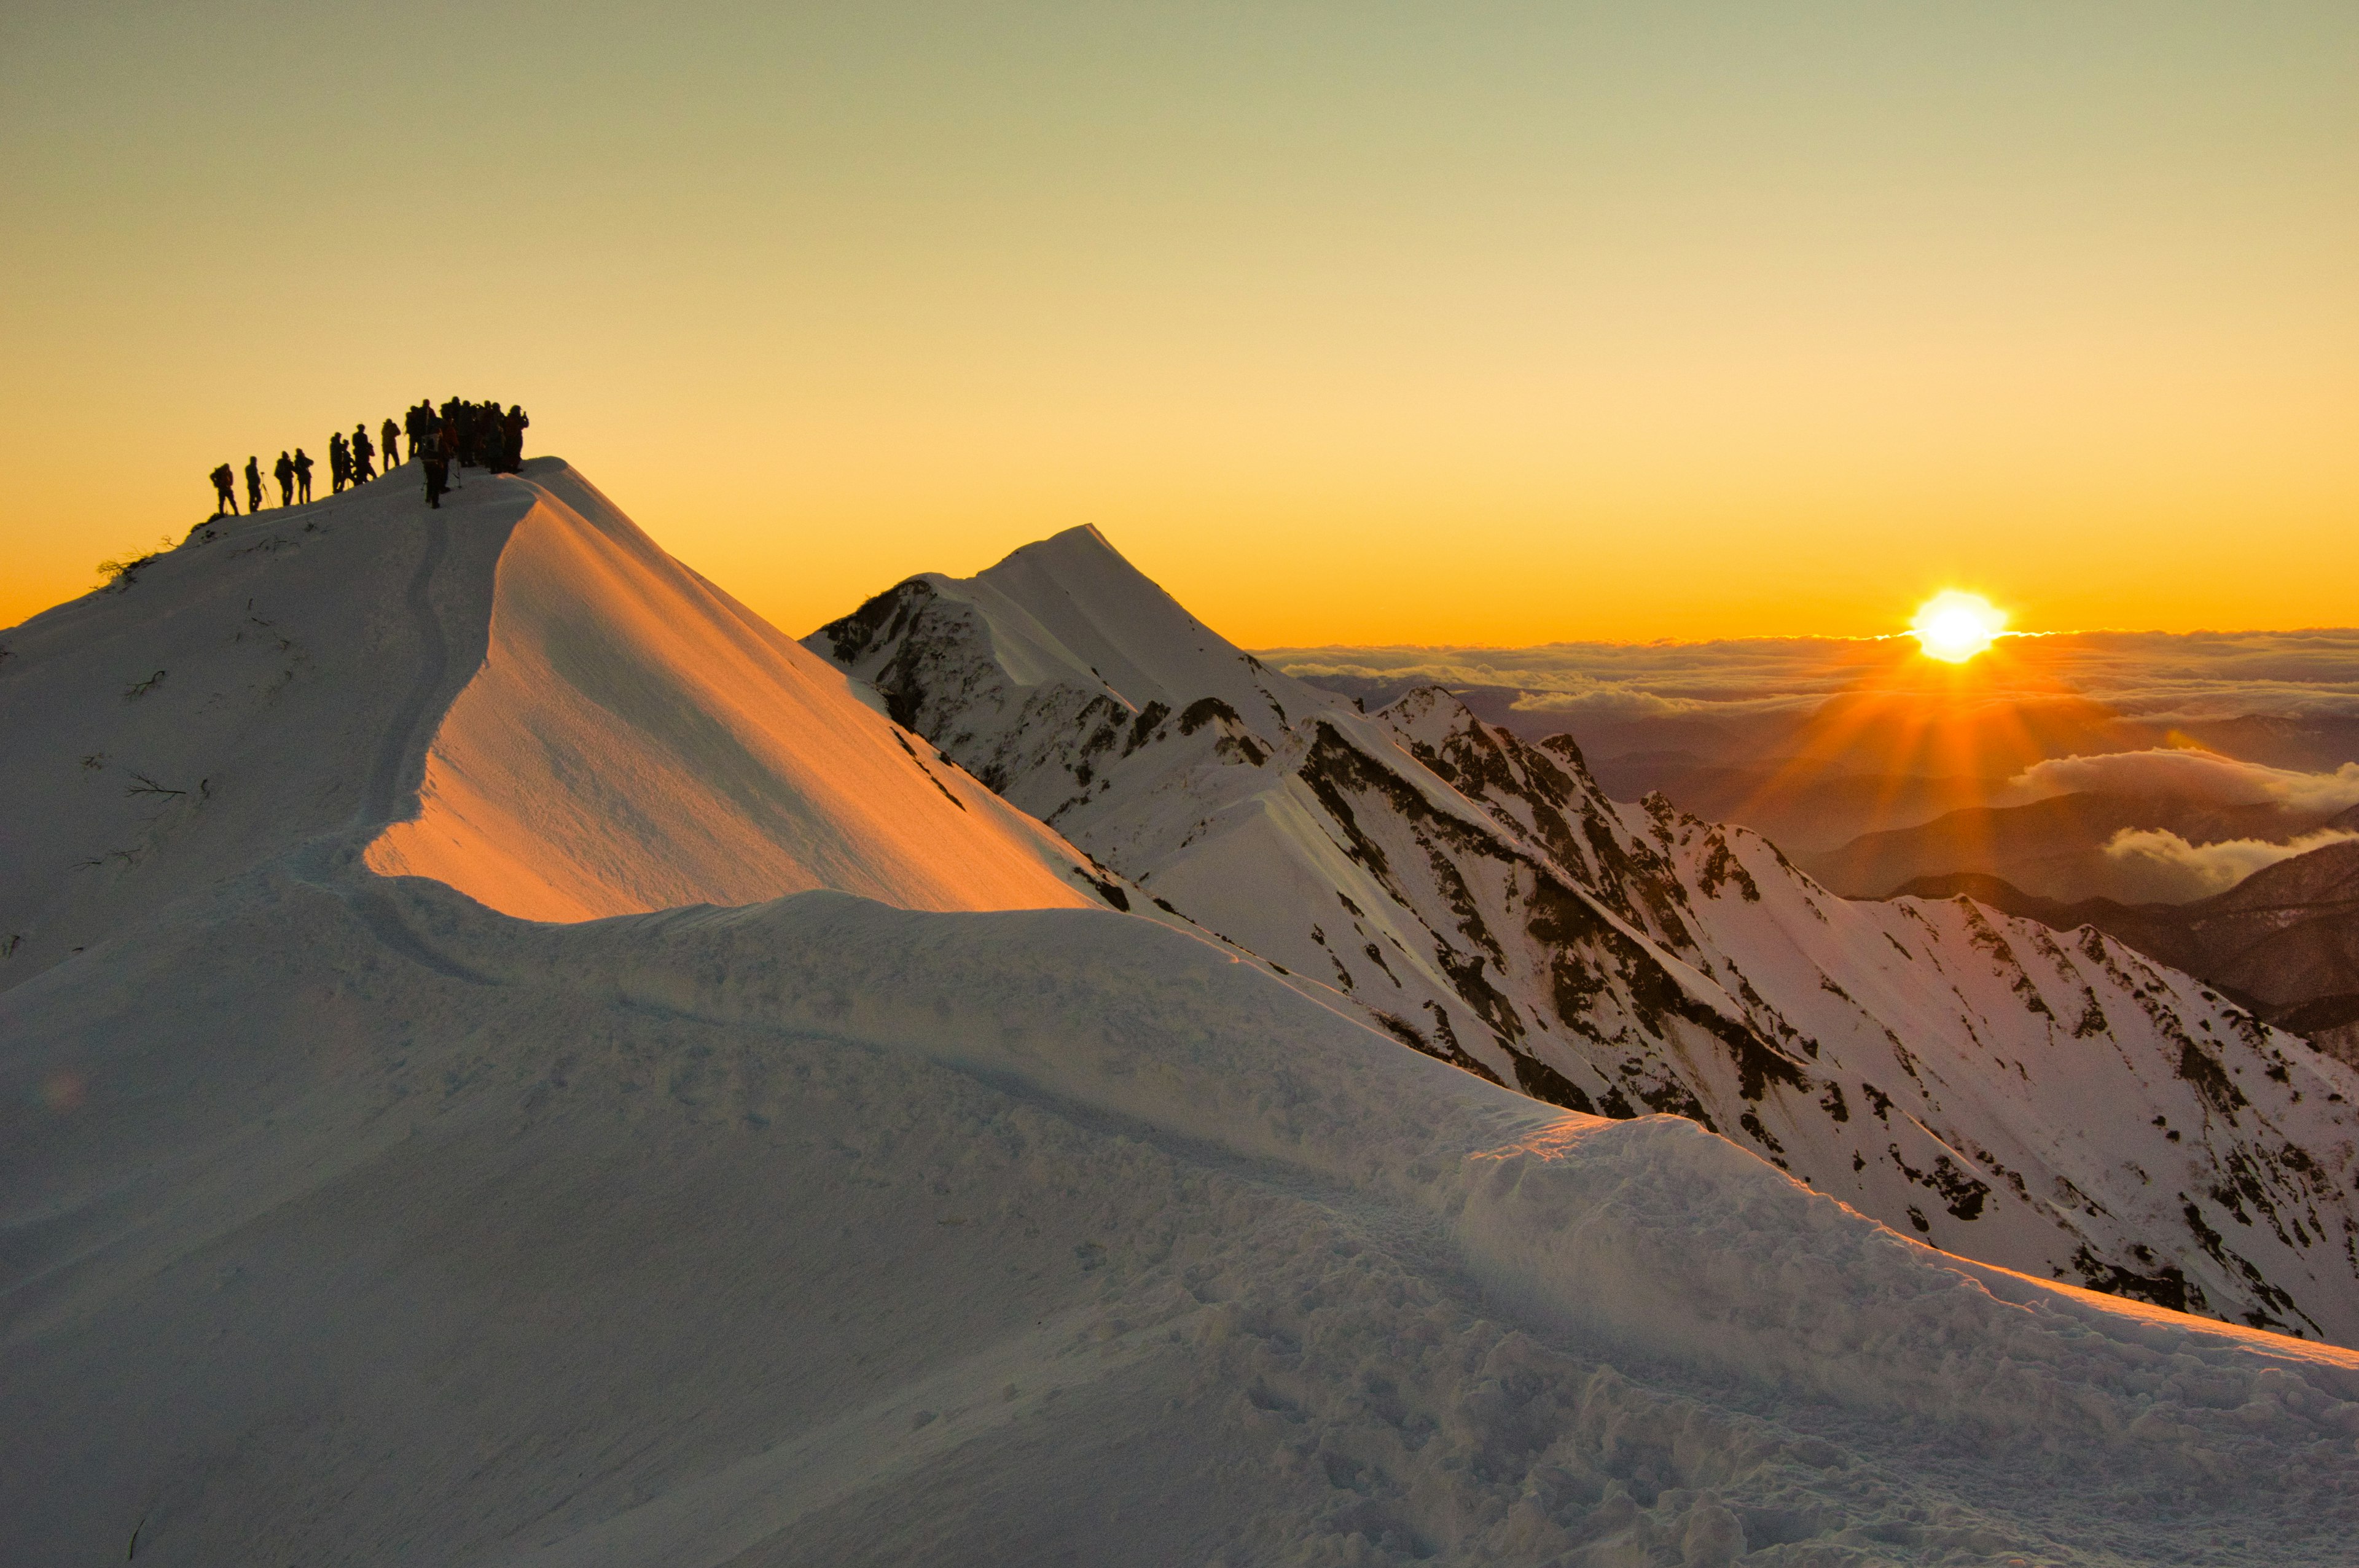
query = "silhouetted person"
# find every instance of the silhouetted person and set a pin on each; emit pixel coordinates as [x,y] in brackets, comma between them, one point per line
[340,461]
[438,475]
[284,472]
[363,456]
[253,485]
[391,436]
[302,476]
[224,490]
[446,443]
[512,428]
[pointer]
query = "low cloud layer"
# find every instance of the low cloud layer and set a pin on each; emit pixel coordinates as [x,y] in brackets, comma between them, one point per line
[2199,871]
[2200,775]
[2155,677]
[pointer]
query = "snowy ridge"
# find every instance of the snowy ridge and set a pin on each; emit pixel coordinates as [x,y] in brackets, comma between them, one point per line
[519,694]
[635,740]
[2077,1114]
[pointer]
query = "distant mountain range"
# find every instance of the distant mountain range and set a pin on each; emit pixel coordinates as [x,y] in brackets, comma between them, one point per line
[2057,848]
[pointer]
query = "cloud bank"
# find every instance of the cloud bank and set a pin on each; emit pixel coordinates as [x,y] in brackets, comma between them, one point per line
[2201,775]
[2202,869]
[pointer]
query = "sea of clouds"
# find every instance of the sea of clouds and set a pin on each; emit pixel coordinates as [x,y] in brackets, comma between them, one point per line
[2152,676]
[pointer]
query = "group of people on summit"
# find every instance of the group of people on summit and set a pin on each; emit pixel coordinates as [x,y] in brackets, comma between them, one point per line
[469,435]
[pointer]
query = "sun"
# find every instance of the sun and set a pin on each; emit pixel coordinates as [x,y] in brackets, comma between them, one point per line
[1953,626]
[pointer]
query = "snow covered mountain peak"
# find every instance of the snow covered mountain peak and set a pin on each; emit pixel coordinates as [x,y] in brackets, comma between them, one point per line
[2071,1111]
[519,694]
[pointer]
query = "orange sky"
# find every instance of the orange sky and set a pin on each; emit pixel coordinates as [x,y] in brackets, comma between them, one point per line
[1496,324]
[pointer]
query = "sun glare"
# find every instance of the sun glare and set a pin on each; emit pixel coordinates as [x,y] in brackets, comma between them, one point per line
[1953,627]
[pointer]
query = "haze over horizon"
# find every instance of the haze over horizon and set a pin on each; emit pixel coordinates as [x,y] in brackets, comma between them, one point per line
[1507,326]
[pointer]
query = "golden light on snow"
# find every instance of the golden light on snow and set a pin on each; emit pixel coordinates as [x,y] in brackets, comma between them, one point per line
[1953,626]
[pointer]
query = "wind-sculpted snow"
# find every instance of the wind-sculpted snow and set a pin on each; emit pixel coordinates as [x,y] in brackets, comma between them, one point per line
[2069,1110]
[635,740]
[822,1232]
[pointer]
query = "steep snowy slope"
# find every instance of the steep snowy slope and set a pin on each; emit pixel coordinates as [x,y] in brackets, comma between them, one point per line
[2075,1113]
[2286,939]
[608,732]
[637,739]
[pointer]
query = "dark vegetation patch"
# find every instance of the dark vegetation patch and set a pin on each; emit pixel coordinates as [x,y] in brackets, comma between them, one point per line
[1962,1193]
[1202,711]
[1447,1050]
[2210,1080]
[1241,748]
[1108,890]
[880,620]
[122,571]
[1153,714]
[1542,1082]
[1722,867]
[1759,1132]
[2216,1246]
[2165,1287]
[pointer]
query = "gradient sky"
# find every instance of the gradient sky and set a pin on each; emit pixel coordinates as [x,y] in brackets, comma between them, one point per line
[1348,322]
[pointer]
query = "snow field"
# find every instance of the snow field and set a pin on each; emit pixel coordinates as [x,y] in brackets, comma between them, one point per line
[722,1236]
[736,1256]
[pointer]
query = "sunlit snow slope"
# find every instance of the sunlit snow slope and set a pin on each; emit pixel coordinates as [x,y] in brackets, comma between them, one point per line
[601,731]
[2071,1110]
[636,739]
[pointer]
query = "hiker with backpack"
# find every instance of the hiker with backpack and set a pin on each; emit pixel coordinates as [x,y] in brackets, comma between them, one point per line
[224,490]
